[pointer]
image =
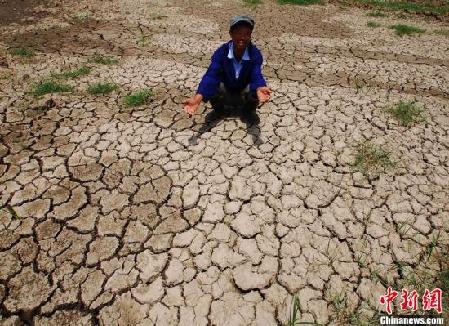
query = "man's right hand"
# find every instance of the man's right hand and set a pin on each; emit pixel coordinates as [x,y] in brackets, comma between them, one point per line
[192,103]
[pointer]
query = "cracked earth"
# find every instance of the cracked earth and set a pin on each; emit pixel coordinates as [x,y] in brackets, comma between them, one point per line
[114,216]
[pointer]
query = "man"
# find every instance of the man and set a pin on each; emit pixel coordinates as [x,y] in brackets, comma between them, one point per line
[234,75]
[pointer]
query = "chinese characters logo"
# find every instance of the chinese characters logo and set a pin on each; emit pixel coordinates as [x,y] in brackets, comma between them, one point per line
[409,300]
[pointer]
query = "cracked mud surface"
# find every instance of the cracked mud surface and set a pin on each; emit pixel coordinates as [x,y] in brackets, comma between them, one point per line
[114,216]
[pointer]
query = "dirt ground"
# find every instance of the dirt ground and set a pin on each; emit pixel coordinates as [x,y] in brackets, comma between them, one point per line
[113,215]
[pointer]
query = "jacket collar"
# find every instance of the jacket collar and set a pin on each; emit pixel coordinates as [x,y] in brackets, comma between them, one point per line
[231,52]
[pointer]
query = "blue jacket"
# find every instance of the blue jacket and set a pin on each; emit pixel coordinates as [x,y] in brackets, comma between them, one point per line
[222,70]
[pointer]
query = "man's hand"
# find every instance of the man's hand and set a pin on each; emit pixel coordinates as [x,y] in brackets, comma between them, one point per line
[192,104]
[263,94]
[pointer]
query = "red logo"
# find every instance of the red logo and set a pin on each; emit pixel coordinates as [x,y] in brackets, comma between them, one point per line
[433,300]
[388,299]
[430,300]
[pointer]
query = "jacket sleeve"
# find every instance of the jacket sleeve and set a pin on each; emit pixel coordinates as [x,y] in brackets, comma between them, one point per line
[257,79]
[210,82]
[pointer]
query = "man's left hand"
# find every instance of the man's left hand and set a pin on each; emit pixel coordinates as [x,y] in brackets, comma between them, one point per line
[263,94]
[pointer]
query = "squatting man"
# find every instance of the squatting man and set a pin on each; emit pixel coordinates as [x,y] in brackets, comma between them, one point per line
[234,76]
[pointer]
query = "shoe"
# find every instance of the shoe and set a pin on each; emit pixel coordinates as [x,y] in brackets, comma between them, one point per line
[250,117]
[215,114]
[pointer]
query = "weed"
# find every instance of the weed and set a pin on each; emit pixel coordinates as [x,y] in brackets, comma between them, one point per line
[432,245]
[50,86]
[103,60]
[252,2]
[301,2]
[83,15]
[340,305]
[158,16]
[294,314]
[407,113]
[102,88]
[371,158]
[361,260]
[444,32]
[344,315]
[424,276]
[12,212]
[404,228]
[420,7]
[84,70]
[359,84]
[5,76]
[372,24]
[22,52]
[142,40]
[356,318]
[402,29]
[376,13]
[137,98]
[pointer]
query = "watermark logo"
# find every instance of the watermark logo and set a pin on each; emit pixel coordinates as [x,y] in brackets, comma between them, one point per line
[409,300]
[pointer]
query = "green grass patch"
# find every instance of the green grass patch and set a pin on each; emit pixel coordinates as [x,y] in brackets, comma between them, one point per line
[402,29]
[103,60]
[444,32]
[418,7]
[83,15]
[407,113]
[371,158]
[376,13]
[372,24]
[84,70]
[50,86]
[253,2]
[300,2]
[21,52]
[138,98]
[143,40]
[101,88]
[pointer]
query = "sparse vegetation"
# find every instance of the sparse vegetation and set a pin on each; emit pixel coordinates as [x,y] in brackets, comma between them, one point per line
[444,32]
[429,250]
[84,70]
[372,24]
[158,16]
[418,7]
[345,315]
[376,13]
[426,276]
[21,52]
[371,158]
[137,98]
[294,314]
[102,88]
[253,2]
[402,29]
[12,212]
[407,113]
[103,60]
[359,84]
[83,15]
[142,40]
[50,86]
[301,2]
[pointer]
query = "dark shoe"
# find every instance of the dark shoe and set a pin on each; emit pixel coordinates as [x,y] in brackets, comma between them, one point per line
[250,117]
[215,114]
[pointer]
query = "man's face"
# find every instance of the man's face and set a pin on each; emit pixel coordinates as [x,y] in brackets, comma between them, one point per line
[241,36]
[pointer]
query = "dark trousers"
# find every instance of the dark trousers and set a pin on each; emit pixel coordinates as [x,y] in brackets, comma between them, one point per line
[224,99]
